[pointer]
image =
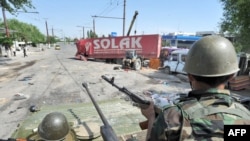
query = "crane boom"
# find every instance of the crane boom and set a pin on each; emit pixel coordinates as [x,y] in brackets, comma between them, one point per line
[132,22]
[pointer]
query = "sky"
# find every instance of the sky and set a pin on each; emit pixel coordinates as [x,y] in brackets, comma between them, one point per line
[68,17]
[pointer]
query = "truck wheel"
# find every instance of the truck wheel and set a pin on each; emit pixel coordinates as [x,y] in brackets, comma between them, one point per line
[137,64]
[119,61]
[167,70]
[124,64]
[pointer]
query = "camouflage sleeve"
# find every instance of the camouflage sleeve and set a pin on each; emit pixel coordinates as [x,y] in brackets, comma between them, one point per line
[167,125]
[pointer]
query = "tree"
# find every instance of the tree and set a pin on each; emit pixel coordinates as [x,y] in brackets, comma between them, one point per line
[91,34]
[7,42]
[25,32]
[236,22]
[13,5]
[165,43]
[68,39]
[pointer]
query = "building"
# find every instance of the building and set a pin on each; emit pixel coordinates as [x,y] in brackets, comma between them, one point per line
[180,41]
[205,33]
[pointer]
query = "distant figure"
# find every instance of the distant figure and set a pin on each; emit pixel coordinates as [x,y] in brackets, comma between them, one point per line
[14,50]
[25,51]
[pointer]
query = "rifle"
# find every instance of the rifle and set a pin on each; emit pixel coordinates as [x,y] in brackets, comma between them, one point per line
[107,132]
[141,102]
[133,96]
[12,139]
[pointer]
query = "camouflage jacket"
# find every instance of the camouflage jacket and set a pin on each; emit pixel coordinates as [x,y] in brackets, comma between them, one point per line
[200,116]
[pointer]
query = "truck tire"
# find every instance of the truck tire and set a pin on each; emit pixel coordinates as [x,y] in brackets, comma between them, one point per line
[137,64]
[167,70]
[119,61]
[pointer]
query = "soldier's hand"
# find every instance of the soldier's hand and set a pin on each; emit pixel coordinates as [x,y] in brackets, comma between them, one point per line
[149,111]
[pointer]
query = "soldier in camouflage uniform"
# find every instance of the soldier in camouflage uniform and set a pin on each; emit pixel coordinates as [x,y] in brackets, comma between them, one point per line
[210,64]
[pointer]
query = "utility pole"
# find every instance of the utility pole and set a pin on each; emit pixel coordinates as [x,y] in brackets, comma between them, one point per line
[5,23]
[83,35]
[48,40]
[52,30]
[93,25]
[83,30]
[124,14]
[7,32]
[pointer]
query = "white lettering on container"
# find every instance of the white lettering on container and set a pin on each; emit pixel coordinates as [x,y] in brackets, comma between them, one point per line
[105,43]
[127,43]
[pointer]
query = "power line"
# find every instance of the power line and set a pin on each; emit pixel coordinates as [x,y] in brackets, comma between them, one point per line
[110,8]
[104,10]
[123,18]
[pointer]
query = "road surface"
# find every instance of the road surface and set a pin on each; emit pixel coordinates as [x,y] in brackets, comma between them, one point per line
[54,77]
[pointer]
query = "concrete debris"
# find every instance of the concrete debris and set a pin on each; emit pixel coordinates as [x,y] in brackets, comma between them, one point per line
[27,78]
[12,111]
[20,96]
[19,107]
[117,68]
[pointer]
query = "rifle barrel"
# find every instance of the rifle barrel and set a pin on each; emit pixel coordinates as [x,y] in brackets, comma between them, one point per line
[107,132]
[104,120]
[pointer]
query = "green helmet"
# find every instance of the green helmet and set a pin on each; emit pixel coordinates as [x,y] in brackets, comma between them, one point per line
[212,56]
[53,127]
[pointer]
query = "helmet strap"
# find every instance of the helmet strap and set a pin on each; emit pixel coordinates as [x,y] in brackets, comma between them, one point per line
[191,85]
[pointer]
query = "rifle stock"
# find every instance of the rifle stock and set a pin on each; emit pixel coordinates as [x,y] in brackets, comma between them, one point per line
[107,132]
[143,125]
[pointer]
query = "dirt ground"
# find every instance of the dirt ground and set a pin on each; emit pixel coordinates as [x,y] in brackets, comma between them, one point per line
[54,77]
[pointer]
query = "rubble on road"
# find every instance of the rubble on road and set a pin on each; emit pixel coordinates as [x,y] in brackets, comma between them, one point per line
[20,96]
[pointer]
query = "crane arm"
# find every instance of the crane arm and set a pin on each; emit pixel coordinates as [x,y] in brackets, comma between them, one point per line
[132,22]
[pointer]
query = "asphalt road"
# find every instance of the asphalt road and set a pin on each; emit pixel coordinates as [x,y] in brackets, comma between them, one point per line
[54,77]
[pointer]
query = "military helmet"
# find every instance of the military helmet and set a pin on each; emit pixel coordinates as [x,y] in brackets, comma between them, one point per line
[53,127]
[212,56]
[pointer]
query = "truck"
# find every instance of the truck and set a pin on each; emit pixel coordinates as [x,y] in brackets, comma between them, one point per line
[115,48]
[129,51]
[132,60]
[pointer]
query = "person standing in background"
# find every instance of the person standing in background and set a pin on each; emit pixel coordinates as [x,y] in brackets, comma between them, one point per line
[25,51]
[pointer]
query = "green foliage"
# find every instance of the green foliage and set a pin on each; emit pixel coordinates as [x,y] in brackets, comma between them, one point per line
[75,40]
[14,5]
[165,43]
[91,34]
[53,39]
[236,21]
[67,39]
[25,32]
[238,46]
[6,41]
